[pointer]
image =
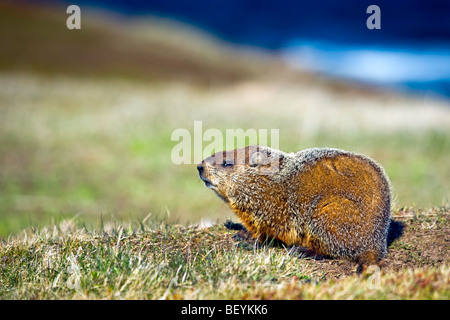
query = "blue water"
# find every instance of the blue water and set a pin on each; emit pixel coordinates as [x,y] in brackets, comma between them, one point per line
[413,68]
[411,50]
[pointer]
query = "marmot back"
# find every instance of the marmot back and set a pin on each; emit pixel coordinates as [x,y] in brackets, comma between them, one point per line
[331,201]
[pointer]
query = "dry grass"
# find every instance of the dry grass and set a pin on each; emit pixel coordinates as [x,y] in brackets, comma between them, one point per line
[160,261]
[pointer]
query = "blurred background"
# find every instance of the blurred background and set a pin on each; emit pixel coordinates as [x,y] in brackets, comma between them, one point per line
[87,115]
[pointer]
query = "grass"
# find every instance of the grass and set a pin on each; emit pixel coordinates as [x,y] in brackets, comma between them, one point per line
[156,260]
[89,147]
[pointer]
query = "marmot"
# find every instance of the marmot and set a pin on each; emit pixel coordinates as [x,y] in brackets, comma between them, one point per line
[333,202]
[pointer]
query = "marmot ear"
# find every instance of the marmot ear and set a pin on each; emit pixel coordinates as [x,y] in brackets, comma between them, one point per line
[258,159]
[267,164]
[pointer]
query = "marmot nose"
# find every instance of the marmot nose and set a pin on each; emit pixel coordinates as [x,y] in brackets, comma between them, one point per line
[200,168]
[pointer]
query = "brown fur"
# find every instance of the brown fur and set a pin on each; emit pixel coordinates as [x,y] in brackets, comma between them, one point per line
[333,202]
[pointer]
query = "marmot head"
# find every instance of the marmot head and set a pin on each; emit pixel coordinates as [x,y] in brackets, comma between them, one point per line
[237,172]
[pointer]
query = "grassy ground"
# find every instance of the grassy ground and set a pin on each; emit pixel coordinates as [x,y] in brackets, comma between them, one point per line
[164,261]
[90,148]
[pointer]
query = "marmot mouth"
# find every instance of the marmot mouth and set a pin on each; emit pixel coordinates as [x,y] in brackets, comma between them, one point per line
[207,182]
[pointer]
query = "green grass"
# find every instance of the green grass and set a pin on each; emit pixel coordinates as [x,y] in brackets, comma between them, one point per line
[133,262]
[150,260]
[70,147]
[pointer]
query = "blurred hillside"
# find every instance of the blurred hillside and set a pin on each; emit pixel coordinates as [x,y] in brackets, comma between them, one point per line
[411,50]
[35,39]
[87,118]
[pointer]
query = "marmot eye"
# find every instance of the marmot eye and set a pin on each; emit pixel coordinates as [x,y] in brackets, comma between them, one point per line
[227,164]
